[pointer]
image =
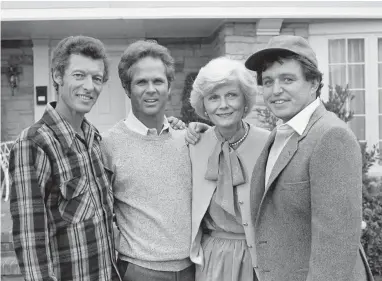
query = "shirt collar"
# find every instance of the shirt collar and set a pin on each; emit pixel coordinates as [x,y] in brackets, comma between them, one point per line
[63,131]
[134,124]
[299,122]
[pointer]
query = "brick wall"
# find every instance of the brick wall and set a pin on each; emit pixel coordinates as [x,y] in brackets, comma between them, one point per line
[190,56]
[17,110]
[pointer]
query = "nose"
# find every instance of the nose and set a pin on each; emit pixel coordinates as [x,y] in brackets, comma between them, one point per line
[277,87]
[150,88]
[223,103]
[88,83]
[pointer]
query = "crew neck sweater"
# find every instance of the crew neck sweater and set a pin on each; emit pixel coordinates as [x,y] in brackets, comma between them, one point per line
[152,196]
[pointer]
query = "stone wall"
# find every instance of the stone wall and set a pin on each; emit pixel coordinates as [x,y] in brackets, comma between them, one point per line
[190,56]
[17,110]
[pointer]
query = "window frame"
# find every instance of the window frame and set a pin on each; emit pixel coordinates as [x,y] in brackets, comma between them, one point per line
[370,31]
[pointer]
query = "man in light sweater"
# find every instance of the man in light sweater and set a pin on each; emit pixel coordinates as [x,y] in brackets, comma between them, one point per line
[152,173]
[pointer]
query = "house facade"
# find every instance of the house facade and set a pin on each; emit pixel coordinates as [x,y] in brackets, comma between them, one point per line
[349,50]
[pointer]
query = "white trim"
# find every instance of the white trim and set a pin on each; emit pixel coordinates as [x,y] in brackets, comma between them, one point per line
[241,10]
[268,27]
[41,73]
[346,27]
[371,87]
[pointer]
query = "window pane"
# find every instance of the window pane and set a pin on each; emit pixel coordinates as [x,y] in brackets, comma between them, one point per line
[380,128]
[356,76]
[380,101]
[356,50]
[337,51]
[337,75]
[358,102]
[380,75]
[380,49]
[357,124]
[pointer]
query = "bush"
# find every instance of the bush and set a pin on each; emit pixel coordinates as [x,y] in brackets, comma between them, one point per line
[187,112]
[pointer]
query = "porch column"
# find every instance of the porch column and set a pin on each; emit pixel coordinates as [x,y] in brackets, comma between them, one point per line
[41,73]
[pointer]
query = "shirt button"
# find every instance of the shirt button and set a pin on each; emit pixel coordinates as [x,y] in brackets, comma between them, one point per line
[249,246]
[245,224]
[241,202]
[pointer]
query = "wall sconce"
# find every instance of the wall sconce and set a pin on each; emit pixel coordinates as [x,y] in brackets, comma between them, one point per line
[13,77]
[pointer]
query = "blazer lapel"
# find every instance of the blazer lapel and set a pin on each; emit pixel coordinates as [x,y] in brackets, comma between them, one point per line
[285,156]
[291,147]
[258,176]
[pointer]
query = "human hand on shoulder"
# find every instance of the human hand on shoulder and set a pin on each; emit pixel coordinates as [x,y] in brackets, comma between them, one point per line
[194,131]
[176,123]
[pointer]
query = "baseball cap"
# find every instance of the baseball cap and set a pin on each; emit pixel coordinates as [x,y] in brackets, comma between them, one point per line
[281,44]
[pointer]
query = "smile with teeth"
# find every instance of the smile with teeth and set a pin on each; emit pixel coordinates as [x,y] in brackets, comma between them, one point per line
[279,101]
[224,114]
[84,97]
[151,101]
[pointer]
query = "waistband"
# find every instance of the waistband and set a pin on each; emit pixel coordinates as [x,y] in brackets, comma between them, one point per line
[226,235]
[173,265]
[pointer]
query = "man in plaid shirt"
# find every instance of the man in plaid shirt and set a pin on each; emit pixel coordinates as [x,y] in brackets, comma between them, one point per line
[61,197]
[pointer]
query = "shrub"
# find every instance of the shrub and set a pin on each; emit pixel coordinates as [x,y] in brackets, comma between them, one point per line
[187,112]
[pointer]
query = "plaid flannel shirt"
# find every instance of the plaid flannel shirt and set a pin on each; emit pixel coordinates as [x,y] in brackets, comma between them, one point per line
[61,203]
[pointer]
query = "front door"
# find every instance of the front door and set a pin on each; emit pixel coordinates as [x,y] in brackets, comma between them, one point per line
[112,104]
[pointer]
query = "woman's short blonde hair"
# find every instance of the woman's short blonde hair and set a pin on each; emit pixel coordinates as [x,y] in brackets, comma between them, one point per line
[219,72]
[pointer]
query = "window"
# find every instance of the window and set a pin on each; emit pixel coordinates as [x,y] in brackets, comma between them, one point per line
[351,53]
[347,68]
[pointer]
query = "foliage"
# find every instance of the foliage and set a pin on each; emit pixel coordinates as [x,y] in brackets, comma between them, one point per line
[267,118]
[187,112]
[339,101]
[372,236]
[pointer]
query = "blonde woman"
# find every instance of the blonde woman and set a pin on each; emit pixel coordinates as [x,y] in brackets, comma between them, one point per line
[222,163]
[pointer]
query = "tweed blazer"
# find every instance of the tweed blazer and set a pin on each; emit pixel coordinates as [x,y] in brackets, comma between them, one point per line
[308,221]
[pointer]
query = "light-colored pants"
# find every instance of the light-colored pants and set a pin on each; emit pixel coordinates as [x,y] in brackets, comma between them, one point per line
[133,272]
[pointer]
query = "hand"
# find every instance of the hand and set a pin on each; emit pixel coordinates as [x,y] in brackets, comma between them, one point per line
[176,123]
[194,132]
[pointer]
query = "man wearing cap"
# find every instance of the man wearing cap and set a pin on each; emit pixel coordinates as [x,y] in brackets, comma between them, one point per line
[306,190]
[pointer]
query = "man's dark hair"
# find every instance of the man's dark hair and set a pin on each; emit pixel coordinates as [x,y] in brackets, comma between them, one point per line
[310,70]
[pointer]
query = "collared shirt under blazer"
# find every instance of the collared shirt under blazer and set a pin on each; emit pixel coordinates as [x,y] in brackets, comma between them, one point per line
[308,220]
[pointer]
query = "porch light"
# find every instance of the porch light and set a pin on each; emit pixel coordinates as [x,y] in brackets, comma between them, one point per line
[13,77]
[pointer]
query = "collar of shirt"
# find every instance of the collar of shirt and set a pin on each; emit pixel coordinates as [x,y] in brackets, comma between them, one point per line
[137,126]
[299,122]
[63,131]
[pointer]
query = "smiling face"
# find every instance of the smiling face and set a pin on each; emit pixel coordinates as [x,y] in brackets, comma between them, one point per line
[225,106]
[149,88]
[285,89]
[80,85]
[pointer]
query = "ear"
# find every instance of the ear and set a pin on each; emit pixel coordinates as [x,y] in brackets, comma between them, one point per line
[315,85]
[57,78]
[169,93]
[127,92]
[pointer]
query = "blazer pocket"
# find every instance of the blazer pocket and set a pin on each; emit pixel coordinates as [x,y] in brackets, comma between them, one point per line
[296,185]
[75,203]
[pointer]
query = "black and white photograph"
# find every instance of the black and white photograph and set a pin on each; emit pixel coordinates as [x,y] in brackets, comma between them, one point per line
[191,141]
